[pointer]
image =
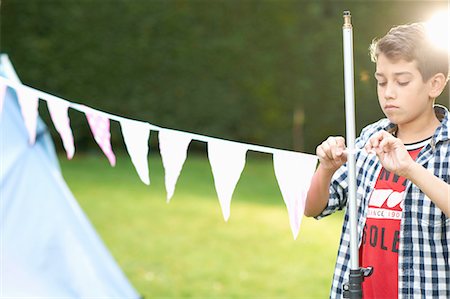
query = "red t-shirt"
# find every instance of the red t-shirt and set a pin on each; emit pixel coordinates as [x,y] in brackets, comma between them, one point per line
[381,236]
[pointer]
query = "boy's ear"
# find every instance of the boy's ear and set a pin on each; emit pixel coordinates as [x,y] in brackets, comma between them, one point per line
[437,84]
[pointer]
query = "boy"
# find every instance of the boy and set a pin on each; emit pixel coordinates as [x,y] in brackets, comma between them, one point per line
[403,176]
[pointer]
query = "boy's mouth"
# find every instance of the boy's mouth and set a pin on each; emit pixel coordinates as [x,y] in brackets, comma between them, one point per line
[390,107]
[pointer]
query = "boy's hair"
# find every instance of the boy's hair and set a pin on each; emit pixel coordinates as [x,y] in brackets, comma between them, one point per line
[410,42]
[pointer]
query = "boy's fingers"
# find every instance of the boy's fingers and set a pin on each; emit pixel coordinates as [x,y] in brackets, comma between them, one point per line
[332,149]
[331,141]
[386,143]
[340,141]
[377,138]
[325,147]
[375,141]
[380,142]
[324,152]
[320,152]
[336,145]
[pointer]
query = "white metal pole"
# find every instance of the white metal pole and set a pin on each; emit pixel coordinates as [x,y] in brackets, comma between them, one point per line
[350,138]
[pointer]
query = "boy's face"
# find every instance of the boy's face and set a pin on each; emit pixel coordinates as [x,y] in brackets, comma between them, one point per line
[402,94]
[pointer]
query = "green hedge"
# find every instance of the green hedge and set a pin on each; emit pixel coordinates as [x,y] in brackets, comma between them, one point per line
[238,70]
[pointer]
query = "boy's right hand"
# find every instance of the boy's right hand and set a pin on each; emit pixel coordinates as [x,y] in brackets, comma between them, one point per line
[332,153]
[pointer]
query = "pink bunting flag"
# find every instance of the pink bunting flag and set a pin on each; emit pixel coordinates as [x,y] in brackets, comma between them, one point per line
[294,172]
[173,146]
[227,163]
[136,135]
[29,103]
[100,129]
[59,113]
[2,95]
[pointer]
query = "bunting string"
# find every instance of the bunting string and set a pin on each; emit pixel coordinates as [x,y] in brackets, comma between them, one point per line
[293,170]
[86,109]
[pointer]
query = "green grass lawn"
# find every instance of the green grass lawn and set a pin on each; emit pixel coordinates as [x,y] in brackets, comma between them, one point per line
[185,249]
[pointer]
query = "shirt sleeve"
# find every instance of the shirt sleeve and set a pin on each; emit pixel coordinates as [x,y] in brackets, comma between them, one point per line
[338,193]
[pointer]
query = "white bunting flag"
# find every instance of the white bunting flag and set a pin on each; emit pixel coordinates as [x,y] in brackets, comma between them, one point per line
[99,125]
[60,117]
[227,163]
[2,95]
[29,103]
[173,146]
[294,172]
[136,135]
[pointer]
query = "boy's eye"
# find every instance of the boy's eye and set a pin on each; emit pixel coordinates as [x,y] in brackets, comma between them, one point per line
[403,83]
[382,83]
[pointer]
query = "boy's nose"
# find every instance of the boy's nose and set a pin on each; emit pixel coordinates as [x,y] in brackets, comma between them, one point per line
[389,92]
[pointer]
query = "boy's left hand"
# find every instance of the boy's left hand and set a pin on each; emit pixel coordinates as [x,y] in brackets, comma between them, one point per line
[392,153]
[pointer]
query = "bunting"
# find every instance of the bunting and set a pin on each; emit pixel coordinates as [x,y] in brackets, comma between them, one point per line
[136,135]
[99,125]
[59,113]
[173,146]
[227,163]
[294,173]
[29,103]
[293,170]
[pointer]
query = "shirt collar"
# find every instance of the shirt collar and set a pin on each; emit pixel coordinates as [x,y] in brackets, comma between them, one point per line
[441,133]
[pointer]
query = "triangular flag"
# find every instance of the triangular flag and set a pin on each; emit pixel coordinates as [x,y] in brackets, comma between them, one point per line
[294,172]
[29,103]
[60,117]
[99,125]
[3,87]
[136,135]
[173,146]
[227,163]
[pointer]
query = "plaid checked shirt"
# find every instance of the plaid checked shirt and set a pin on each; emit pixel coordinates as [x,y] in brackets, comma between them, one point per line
[423,258]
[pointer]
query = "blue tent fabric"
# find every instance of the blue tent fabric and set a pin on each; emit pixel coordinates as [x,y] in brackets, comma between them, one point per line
[48,248]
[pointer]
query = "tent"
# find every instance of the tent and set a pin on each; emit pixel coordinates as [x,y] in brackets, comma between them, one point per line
[48,248]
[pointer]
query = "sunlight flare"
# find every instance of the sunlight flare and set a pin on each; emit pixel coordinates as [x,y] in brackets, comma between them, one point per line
[438,29]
